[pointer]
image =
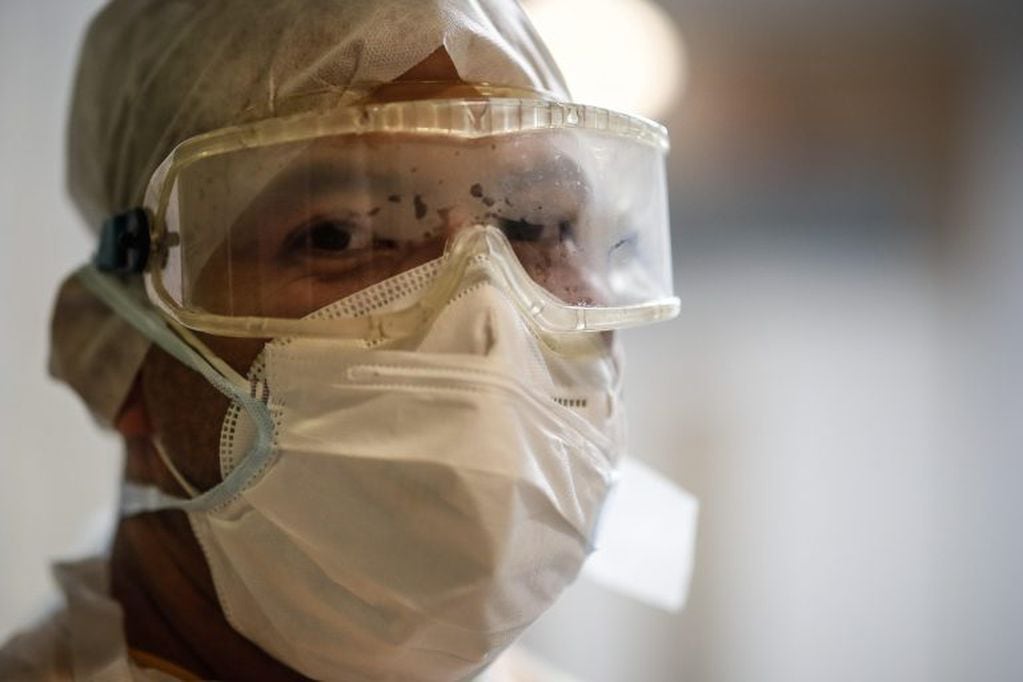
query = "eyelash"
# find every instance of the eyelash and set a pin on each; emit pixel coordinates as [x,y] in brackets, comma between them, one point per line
[629,240]
[520,230]
[300,239]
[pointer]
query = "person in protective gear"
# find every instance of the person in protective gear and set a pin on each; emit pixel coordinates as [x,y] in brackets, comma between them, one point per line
[353,309]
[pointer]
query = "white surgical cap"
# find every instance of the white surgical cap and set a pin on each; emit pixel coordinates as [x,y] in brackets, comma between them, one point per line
[153,73]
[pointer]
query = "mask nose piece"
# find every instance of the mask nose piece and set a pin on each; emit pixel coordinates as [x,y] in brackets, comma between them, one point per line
[479,240]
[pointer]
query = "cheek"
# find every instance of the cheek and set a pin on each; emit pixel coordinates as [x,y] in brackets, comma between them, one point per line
[238,353]
[186,413]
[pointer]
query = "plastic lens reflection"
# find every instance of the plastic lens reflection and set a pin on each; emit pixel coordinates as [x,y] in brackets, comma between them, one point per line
[283,230]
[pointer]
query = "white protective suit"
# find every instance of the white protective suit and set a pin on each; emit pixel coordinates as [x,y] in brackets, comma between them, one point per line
[83,642]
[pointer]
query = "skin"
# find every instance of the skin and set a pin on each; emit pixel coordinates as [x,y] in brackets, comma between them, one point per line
[158,572]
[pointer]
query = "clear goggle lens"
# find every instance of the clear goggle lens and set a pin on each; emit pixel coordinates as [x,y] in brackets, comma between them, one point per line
[279,228]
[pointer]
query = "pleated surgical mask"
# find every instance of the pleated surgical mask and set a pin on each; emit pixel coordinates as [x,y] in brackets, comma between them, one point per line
[404,511]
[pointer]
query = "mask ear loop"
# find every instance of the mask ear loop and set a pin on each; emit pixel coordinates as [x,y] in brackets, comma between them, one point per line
[188,349]
[192,491]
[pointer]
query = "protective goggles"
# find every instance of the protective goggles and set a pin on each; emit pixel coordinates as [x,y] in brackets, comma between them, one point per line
[247,231]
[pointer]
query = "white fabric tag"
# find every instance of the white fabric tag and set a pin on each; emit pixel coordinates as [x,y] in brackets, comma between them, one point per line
[646,539]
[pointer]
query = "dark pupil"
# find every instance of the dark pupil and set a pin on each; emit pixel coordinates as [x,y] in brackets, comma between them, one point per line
[522,230]
[329,236]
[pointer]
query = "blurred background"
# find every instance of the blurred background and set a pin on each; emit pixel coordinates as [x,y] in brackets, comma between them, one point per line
[842,390]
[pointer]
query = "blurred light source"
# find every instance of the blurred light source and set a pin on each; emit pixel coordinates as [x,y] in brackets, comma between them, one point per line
[620,54]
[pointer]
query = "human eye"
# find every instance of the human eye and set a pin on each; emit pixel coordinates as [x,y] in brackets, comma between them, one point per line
[328,236]
[537,232]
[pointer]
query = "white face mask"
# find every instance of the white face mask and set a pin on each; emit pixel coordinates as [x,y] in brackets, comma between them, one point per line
[405,512]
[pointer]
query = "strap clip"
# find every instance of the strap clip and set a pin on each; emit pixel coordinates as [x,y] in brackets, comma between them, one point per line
[124,243]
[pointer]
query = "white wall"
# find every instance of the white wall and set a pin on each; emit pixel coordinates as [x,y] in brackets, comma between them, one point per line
[983,505]
[57,472]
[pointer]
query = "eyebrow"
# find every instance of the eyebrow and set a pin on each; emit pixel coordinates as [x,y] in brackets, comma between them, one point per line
[318,177]
[323,175]
[561,167]
[310,178]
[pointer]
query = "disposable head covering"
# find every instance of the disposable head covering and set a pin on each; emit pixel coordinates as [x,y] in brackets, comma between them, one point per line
[153,74]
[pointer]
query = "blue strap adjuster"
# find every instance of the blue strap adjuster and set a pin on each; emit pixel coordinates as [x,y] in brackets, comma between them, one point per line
[124,243]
